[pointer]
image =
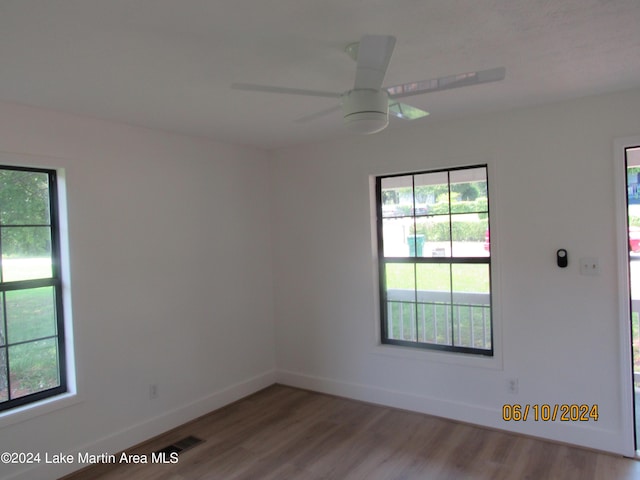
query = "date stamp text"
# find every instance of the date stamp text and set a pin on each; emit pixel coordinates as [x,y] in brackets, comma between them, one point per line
[565,412]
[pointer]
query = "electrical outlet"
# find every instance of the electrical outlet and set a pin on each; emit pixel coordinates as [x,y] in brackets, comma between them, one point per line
[512,385]
[153,391]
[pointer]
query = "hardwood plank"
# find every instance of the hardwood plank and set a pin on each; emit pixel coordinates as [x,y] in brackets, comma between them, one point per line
[288,433]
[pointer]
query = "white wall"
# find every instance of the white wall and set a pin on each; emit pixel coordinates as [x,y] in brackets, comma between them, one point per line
[170,244]
[551,174]
[177,245]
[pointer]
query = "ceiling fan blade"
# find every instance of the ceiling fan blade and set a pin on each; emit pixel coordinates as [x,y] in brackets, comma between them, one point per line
[407,112]
[290,91]
[374,54]
[446,83]
[319,114]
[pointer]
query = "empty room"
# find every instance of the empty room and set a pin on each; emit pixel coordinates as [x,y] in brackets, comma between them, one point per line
[343,239]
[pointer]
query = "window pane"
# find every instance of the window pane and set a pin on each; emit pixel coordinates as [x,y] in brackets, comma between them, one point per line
[469,234]
[432,193]
[3,335]
[24,198]
[30,314]
[435,240]
[469,190]
[26,253]
[397,196]
[394,234]
[417,240]
[434,298]
[471,305]
[434,323]
[434,277]
[3,354]
[400,276]
[401,306]
[34,367]
[415,243]
[470,278]
[4,393]
[401,323]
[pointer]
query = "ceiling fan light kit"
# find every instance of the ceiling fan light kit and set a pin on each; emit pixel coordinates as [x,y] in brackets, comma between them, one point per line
[365,111]
[367,106]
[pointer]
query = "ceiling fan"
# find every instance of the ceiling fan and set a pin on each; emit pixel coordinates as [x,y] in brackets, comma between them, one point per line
[366,107]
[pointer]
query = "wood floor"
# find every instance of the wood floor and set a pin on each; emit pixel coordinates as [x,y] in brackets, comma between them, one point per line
[286,433]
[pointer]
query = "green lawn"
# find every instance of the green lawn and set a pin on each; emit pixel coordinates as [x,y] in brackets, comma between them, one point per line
[30,314]
[466,278]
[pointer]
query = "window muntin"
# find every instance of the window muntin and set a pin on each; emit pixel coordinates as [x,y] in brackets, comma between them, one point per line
[32,354]
[434,260]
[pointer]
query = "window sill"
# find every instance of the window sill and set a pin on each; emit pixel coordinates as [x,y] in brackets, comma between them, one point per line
[32,410]
[450,358]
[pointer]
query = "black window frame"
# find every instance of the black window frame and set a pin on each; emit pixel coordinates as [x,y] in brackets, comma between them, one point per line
[55,281]
[415,260]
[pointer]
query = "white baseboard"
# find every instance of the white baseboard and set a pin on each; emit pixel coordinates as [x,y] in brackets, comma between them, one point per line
[149,428]
[584,435]
[581,434]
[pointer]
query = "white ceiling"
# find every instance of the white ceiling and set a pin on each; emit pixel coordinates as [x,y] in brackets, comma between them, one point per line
[169,64]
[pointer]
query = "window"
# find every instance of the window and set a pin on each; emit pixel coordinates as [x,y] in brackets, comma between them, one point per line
[32,356]
[435,260]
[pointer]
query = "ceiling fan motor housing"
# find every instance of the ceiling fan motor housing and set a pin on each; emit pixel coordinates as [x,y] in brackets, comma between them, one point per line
[366,110]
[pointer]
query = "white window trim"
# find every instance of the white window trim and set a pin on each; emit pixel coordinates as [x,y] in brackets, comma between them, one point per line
[624,313]
[376,347]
